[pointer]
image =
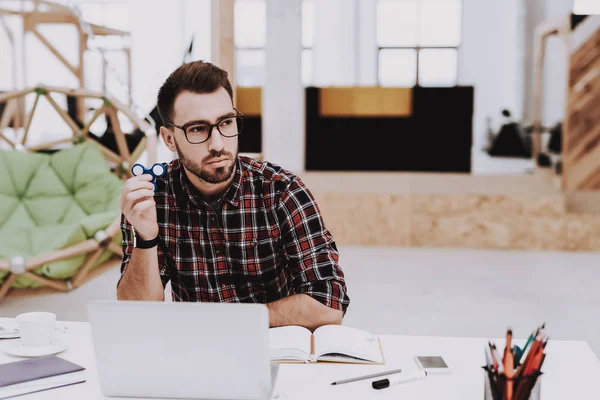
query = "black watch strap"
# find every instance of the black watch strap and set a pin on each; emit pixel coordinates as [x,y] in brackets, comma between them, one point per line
[140,243]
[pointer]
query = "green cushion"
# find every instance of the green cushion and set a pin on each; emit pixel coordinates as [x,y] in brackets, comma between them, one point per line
[49,202]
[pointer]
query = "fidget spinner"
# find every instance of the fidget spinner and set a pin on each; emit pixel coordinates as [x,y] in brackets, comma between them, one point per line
[157,170]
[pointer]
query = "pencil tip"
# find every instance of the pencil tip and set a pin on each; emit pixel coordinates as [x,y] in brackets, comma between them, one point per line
[509,332]
[333,383]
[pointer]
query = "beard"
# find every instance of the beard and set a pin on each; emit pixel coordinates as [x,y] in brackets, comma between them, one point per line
[219,175]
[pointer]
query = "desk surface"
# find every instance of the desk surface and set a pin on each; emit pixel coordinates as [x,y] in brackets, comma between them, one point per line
[570,371]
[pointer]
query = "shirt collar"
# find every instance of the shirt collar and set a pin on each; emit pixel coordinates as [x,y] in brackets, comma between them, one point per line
[190,195]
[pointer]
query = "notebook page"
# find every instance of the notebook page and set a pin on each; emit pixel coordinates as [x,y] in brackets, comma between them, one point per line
[290,343]
[335,339]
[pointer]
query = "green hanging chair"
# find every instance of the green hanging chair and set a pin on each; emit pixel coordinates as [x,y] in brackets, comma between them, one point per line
[59,216]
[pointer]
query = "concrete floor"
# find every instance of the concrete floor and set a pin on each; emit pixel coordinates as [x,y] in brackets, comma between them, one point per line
[440,292]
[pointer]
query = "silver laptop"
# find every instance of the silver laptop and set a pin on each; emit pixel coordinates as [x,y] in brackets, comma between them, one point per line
[182,350]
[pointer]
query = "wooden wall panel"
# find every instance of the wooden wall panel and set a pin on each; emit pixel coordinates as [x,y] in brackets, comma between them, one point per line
[436,136]
[366,102]
[249,101]
[581,136]
[583,57]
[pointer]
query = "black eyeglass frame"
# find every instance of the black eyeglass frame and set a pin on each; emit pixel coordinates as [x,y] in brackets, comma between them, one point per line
[239,120]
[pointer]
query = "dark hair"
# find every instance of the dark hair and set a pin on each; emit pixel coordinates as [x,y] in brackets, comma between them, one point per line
[197,77]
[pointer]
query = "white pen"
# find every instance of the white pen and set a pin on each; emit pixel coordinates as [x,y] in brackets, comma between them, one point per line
[360,378]
[382,384]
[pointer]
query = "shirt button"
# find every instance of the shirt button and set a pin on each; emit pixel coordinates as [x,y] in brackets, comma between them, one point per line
[218,252]
[212,218]
[223,286]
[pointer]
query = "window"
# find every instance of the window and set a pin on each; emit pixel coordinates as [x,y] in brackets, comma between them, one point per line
[250,23]
[418,42]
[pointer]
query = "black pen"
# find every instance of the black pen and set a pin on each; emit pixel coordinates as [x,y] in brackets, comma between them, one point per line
[384,383]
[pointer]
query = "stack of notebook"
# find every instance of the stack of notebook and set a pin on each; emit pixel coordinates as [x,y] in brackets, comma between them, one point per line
[37,375]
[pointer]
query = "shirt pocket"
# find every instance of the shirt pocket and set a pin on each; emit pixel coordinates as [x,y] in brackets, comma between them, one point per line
[255,257]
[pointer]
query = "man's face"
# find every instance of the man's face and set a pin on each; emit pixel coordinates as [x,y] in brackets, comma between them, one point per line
[212,161]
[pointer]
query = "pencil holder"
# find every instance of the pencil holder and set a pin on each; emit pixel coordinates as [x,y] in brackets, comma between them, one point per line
[524,387]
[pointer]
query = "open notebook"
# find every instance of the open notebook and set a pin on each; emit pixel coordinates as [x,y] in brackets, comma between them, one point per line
[330,343]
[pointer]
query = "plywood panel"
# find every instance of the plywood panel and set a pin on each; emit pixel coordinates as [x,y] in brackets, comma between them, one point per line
[584,56]
[223,48]
[581,136]
[249,101]
[366,102]
[335,102]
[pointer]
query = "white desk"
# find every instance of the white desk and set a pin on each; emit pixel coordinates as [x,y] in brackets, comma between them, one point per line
[571,371]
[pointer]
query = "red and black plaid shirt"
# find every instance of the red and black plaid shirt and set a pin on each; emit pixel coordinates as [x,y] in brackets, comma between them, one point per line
[269,243]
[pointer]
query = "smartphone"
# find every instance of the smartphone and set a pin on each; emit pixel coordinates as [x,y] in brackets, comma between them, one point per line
[433,364]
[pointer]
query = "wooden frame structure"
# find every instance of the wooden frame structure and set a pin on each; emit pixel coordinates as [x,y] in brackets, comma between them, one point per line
[562,28]
[222,45]
[103,239]
[42,12]
[110,107]
[92,247]
[580,133]
[223,51]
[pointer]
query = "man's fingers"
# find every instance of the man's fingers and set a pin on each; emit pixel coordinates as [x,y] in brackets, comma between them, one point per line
[134,185]
[131,186]
[143,177]
[132,197]
[142,206]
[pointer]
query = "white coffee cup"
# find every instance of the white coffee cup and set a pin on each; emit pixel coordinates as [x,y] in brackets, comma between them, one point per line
[36,328]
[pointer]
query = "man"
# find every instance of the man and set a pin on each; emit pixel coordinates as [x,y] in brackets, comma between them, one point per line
[225,228]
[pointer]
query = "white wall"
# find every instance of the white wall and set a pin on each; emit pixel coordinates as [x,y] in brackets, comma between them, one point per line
[9,78]
[345,51]
[367,43]
[160,32]
[555,66]
[334,53]
[488,60]
[283,121]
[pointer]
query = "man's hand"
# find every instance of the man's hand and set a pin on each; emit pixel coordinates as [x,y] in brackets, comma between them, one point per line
[141,280]
[303,310]
[138,206]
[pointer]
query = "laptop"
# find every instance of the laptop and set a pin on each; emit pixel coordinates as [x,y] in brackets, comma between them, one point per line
[182,350]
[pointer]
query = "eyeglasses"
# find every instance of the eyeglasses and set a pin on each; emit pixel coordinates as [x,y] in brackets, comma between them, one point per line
[197,133]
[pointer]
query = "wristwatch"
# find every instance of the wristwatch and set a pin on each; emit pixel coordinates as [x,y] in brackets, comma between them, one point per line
[140,243]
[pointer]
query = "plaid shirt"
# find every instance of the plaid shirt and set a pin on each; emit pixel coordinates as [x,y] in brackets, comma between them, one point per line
[269,243]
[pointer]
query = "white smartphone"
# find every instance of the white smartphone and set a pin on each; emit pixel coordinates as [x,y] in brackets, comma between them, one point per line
[433,365]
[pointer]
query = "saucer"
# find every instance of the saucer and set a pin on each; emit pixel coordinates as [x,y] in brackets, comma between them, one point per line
[15,348]
[10,331]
